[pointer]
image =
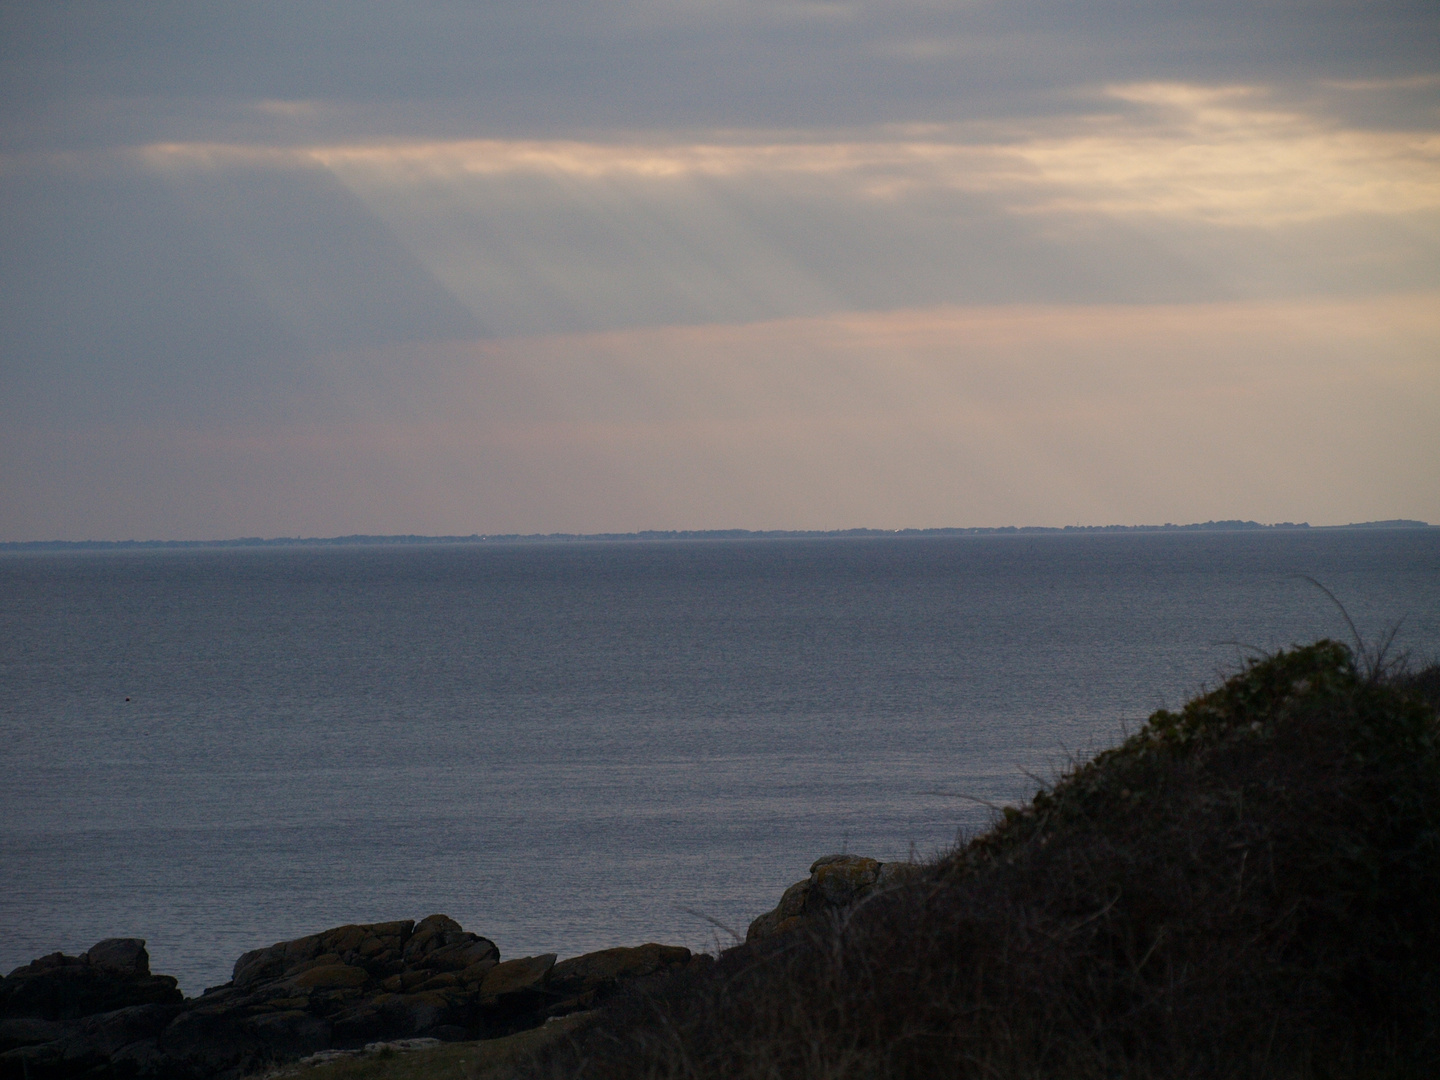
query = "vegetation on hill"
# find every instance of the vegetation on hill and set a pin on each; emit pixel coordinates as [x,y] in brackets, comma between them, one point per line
[1248,887]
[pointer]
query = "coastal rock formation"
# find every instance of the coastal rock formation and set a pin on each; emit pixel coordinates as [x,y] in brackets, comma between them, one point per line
[113,974]
[75,1012]
[835,882]
[104,1012]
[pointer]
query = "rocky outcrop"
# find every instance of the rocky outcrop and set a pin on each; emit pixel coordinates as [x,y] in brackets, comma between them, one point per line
[346,987]
[835,882]
[74,1013]
[114,974]
[584,981]
[104,1013]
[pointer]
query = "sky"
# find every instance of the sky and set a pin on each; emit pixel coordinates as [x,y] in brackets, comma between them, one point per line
[305,268]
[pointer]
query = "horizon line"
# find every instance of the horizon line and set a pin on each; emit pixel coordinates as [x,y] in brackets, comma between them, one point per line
[654,535]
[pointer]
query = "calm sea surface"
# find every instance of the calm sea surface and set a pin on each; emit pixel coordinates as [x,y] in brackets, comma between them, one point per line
[572,746]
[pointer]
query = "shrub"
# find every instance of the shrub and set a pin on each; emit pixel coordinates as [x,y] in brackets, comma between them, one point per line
[1246,887]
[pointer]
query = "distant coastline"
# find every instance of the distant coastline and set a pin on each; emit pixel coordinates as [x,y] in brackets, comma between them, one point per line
[653,535]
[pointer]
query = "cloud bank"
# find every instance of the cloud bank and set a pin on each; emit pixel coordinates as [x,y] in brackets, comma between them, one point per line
[1015,270]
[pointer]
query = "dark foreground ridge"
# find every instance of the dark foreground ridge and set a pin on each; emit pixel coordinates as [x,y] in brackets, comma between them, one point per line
[652,535]
[1249,887]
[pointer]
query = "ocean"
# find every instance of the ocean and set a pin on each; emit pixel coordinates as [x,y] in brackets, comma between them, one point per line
[568,746]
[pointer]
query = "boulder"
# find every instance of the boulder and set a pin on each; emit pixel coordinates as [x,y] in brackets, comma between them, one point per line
[105,1033]
[60,987]
[103,1013]
[37,1060]
[377,948]
[369,982]
[292,1033]
[434,933]
[29,1031]
[328,977]
[514,978]
[412,1014]
[835,883]
[92,1044]
[609,968]
[213,1041]
[459,955]
[124,956]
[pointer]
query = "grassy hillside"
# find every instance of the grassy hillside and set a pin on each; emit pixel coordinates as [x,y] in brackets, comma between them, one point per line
[1248,887]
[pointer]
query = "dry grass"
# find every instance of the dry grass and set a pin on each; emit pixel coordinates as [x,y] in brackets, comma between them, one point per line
[1247,888]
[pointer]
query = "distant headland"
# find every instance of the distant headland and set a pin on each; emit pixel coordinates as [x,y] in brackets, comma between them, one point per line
[654,535]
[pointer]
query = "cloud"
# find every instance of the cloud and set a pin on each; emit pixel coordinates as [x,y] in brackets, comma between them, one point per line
[1162,192]
[292,267]
[83,73]
[961,416]
[124,293]
[1222,154]
[183,280]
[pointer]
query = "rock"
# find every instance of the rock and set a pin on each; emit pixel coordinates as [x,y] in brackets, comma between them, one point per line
[292,1033]
[839,880]
[835,883]
[608,968]
[142,1058]
[475,973]
[515,977]
[92,1044]
[208,1041]
[767,925]
[394,1016]
[440,943]
[366,983]
[30,1031]
[419,1012]
[126,956]
[582,982]
[329,977]
[463,954]
[434,932]
[56,1049]
[106,1033]
[60,987]
[377,948]
[27,1061]
[104,1014]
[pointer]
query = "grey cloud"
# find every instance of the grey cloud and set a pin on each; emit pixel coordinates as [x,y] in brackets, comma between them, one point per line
[532,254]
[1041,415]
[535,253]
[551,66]
[121,296]
[321,264]
[212,294]
[192,338]
[108,293]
